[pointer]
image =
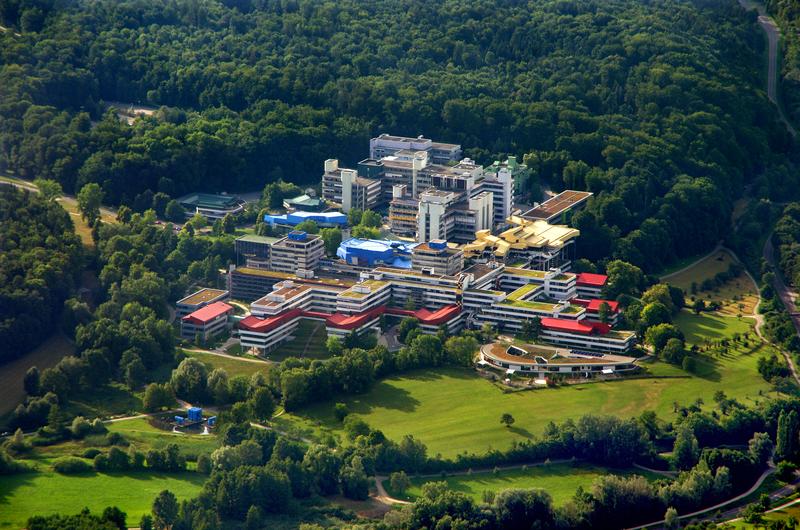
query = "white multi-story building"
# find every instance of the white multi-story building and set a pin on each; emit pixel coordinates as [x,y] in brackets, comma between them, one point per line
[388,145]
[347,190]
[298,251]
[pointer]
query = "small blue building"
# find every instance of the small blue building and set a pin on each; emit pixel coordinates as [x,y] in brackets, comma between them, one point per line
[195,414]
[323,219]
[372,252]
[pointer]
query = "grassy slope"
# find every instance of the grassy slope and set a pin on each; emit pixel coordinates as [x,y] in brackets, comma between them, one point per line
[710,327]
[560,481]
[44,493]
[309,341]
[139,432]
[740,286]
[11,374]
[439,406]
[232,366]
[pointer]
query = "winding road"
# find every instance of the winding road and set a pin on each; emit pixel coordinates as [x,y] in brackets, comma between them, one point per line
[773,37]
[787,297]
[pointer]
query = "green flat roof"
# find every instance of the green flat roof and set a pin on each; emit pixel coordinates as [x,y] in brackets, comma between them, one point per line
[209,200]
[252,238]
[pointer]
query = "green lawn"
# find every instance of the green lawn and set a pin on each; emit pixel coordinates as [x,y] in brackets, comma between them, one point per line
[44,493]
[710,327]
[446,405]
[141,433]
[309,342]
[231,365]
[108,400]
[560,481]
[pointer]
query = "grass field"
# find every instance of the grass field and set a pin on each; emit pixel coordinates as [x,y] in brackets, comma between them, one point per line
[710,327]
[738,295]
[140,432]
[44,493]
[560,481]
[110,400]
[11,374]
[309,342]
[231,365]
[449,404]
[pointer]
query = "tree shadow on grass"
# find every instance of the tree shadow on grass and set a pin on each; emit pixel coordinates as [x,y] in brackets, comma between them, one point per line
[521,431]
[385,396]
[707,368]
[8,483]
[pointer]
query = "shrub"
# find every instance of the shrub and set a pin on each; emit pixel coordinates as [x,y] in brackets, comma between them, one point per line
[115,438]
[80,427]
[100,462]
[71,465]
[340,410]
[91,453]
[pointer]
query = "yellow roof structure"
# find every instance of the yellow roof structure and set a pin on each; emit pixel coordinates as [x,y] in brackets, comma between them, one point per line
[526,234]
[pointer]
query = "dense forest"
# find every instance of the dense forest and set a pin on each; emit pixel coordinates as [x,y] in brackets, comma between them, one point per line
[656,107]
[40,263]
[787,13]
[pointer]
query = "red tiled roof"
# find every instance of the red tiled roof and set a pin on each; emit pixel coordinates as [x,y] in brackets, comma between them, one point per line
[208,313]
[595,303]
[588,279]
[575,326]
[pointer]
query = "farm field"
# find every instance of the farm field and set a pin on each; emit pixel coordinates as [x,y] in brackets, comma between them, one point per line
[234,367]
[559,480]
[44,356]
[736,296]
[47,492]
[439,406]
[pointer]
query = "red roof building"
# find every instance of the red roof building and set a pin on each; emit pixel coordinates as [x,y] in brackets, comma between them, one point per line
[206,321]
[588,279]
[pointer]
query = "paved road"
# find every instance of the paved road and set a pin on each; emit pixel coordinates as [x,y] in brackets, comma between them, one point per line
[787,297]
[243,358]
[26,185]
[773,37]
[716,507]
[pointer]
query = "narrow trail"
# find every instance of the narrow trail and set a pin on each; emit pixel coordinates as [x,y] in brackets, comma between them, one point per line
[228,356]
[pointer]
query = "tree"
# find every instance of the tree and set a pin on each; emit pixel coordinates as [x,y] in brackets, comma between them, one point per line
[341,411]
[531,328]
[461,350]
[519,509]
[658,335]
[399,482]
[604,312]
[31,381]
[165,510]
[355,483]
[659,292]
[623,278]
[217,385]
[760,448]
[365,232]
[655,313]
[50,189]
[189,380]
[685,451]
[507,419]
[671,521]
[370,218]
[698,306]
[309,226]
[157,396]
[89,200]
[174,212]
[332,238]
[786,439]
[262,403]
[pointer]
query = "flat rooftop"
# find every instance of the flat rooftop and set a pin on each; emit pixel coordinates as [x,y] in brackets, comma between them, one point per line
[252,238]
[541,354]
[557,205]
[288,293]
[209,200]
[331,282]
[202,296]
